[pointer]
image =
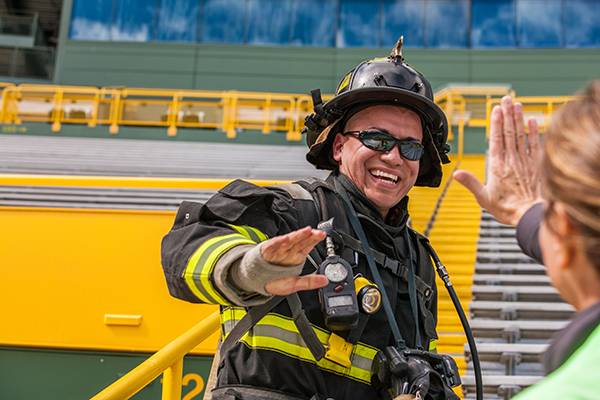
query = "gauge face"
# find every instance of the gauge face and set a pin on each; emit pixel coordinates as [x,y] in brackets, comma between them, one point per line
[336,272]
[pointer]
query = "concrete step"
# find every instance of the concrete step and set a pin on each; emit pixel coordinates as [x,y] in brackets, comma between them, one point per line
[500,352]
[509,269]
[492,233]
[517,310]
[514,331]
[511,280]
[516,257]
[515,293]
[498,240]
[498,386]
[498,247]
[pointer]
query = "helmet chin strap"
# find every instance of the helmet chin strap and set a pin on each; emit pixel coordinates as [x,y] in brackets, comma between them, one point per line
[320,119]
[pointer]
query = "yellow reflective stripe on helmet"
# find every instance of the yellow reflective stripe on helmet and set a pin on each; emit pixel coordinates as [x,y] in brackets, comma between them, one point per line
[251,233]
[344,82]
[202,263]
[278,333]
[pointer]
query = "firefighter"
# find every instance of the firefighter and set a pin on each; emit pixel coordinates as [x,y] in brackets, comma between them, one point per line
[256,251]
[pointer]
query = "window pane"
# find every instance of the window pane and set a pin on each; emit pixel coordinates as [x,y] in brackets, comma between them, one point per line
[447,23]
[134,20]
[177,21]
[540,23]
[313,23]
[583,29]
[493,23]
[223,21]
[403,18]
[90,20]
[268,22]
[359,23]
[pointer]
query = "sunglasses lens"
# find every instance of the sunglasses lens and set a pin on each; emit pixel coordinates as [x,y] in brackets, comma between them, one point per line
[382,142]
[411,150]
[378,141]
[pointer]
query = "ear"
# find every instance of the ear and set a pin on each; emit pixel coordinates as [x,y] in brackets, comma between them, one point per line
[567,249]
[338,145]
[563,225]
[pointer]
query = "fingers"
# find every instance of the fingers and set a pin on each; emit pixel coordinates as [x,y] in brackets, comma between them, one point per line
[521,136]
[288,250]
[285,286]
[534,139]
[508,126]
[470,181]
[292,248]
[496,135]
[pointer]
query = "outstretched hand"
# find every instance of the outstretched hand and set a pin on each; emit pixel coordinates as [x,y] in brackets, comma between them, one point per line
[289,250]
[513,180]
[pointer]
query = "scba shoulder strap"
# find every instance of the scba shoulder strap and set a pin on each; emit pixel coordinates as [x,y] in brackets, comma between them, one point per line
[255,314]
[310,213]
[316,188]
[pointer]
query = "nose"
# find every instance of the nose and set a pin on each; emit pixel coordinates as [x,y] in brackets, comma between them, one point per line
[393,156]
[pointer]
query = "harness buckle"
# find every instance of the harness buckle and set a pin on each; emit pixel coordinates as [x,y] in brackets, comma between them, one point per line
[339,351]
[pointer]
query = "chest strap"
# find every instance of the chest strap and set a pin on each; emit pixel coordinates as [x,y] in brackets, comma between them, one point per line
[251,318]
[394,266]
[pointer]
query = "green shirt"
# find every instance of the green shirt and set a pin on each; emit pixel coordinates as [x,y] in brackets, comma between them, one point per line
[578,378]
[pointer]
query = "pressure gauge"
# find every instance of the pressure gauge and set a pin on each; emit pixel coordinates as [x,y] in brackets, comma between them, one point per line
[335,272]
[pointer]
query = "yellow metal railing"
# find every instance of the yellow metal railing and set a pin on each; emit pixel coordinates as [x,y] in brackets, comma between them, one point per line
[539,107]
[173,109]
[230,111]
[50,103]
[168,360]
[466,106]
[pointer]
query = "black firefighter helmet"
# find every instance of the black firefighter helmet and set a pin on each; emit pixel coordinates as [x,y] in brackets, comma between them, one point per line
[378,81]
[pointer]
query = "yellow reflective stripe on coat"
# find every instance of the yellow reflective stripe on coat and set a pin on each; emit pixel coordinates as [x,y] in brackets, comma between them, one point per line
[250,232]
[202,263]
[279,333]
[433,346]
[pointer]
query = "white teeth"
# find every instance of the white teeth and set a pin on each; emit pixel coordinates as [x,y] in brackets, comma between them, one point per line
[381,174]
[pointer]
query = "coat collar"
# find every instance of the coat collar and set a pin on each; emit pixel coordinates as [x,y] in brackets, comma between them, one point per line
[397,216]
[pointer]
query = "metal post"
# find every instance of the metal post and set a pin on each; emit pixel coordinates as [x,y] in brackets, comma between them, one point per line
[172,378]
[146,372]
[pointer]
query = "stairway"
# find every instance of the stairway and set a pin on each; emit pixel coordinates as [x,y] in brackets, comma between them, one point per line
[514,313]
[453,234]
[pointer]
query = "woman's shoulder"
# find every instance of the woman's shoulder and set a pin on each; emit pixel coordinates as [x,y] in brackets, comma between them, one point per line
[577,378]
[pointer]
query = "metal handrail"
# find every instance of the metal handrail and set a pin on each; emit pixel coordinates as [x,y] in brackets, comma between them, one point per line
[168,360]
[540,107]
[118,106]
[230,111]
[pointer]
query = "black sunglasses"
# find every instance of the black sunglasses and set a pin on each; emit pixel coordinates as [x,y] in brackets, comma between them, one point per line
[380,141]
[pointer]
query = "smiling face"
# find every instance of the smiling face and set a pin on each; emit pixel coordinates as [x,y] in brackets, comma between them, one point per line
[384,177]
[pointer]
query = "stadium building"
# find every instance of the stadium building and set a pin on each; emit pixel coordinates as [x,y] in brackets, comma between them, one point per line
[84,300]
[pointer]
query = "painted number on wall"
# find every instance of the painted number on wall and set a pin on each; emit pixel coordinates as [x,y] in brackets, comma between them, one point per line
[196,390]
